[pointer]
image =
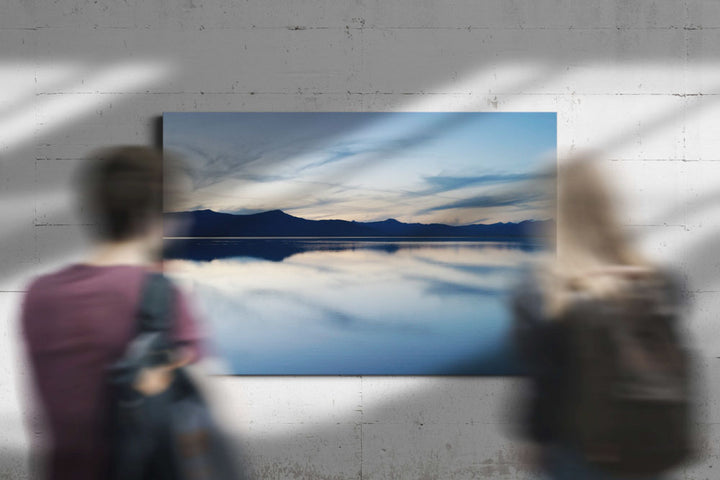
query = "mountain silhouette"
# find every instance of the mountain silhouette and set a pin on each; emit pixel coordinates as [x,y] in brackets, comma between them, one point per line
[276,223]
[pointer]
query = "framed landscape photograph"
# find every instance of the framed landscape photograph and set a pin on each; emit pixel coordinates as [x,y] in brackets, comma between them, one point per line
[359,243]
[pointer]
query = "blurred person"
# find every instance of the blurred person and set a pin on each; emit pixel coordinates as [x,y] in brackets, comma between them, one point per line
[596,326]
[79,320]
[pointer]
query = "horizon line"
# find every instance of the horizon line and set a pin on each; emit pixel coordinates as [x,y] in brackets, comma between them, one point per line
[346,237]
[355,221]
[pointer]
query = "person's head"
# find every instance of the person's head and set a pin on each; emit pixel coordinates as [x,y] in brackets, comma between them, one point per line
[589,239]
[122,191]
[588,230]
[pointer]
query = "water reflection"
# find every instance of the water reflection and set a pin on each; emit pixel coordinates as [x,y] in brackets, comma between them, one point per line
[279,249]
[355,307]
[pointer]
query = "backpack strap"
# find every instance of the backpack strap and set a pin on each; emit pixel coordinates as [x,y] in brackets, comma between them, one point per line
[155,311]
[154,320]
[151,344]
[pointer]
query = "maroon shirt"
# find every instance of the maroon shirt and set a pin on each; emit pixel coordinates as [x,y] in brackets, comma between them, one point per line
[76,322]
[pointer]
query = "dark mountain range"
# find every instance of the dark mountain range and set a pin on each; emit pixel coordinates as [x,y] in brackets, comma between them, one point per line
[276,223]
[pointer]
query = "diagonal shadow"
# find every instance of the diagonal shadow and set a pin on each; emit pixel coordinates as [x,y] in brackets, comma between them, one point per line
[279,451]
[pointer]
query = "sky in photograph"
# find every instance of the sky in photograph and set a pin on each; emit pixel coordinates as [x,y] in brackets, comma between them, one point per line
[452,168]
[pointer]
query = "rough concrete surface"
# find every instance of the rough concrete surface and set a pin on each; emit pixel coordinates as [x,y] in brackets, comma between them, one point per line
[638,81]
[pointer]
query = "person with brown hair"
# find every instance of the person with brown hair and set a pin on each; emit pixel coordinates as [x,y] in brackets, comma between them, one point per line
[596,325]
[79,320]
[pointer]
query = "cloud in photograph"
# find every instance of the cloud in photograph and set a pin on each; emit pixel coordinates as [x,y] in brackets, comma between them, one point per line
[444,183]
[415,167]
[506,199]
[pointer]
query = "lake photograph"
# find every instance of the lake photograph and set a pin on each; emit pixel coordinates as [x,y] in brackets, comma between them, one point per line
[359,243]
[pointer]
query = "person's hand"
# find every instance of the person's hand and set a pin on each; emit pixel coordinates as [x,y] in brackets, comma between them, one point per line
[154,380]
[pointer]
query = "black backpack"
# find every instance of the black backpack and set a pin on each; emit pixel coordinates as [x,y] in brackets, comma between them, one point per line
[627,407]
[169,436]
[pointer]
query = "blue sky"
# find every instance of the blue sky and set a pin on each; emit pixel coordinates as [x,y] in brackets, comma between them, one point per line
[454,168]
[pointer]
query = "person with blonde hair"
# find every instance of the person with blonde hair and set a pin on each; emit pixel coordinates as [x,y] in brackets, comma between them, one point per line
[595,325]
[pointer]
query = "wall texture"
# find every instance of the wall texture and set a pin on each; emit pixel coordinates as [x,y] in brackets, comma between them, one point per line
[639,81]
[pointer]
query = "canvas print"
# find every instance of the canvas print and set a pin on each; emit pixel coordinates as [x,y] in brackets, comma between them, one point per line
[359,243]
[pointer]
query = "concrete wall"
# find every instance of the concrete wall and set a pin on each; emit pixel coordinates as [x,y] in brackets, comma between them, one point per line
[637,80]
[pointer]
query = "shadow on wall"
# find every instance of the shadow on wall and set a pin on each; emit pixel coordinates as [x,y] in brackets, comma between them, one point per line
[397,442]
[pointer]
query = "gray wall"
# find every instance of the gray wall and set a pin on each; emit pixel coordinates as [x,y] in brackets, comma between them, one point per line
[637,80]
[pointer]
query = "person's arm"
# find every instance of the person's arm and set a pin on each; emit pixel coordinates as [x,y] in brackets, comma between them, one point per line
[185,333]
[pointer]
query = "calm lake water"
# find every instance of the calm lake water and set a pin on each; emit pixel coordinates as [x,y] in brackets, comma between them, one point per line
[355,306]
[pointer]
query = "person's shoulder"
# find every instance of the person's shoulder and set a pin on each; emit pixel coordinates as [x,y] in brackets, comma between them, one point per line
[660,285]
[44,290]
[85,277]
[672,286]
[41,282]
[670,276]
[652,277]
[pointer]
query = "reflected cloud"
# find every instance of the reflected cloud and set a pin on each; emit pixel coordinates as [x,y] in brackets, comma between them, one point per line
[348,308]
[442,288]
[337,317]
[479,270]
[279,250]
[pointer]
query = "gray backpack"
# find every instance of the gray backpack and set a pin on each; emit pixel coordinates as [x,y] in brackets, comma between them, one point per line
[628,405]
